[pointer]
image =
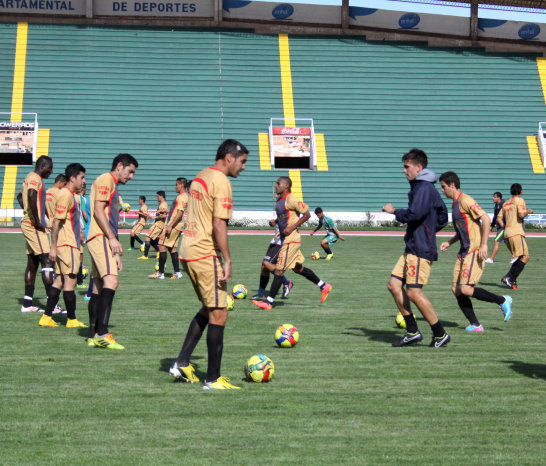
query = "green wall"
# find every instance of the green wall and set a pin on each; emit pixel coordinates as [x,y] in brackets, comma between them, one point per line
[170,96]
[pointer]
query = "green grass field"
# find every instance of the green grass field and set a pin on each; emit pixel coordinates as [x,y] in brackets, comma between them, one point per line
[343,395]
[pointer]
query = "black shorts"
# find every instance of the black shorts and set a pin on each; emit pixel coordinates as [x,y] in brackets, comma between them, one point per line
[272,253]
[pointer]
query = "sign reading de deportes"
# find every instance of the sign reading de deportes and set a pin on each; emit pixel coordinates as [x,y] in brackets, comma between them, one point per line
[201,8]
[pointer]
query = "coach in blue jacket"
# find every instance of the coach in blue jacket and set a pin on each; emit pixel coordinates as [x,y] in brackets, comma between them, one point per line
[426,214]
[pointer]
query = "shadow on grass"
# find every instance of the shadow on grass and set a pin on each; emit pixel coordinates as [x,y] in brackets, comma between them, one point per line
[534,371]
[166,363]
[497,285]
[386,336]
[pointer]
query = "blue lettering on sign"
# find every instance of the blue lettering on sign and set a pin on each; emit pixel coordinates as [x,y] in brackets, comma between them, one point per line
[355,11]
[529,31]
[153,7]
[489,23]
[409,20]
[283,11]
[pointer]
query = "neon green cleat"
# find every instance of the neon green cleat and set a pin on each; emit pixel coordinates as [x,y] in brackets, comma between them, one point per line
[107,341]
[74,323]
[221,383]
[186,373]
[143,258]
[329,256]
[89,342]
[47,321]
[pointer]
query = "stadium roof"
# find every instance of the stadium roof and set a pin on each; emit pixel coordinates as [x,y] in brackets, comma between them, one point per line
[537,4]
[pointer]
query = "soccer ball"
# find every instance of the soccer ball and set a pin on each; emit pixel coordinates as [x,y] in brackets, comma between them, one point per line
[142,248]
[230,302]
[239,291]
[400,320]
[85,272]
[157,266]
[125,207]
[315,255]
[259,368]
[287,336]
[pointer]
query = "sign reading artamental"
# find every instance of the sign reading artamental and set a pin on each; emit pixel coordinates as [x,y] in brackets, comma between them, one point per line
[151,8]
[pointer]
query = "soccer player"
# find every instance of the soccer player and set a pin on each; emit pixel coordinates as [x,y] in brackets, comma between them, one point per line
[497,199]
[511,219]
[141,223]
[65,248]
[472,230]
[172,231]
[426,214]
[33,225]
[332,233]
[51,196]
[204,244]
[105,248]
[291,214]
[154,233]
[271,256]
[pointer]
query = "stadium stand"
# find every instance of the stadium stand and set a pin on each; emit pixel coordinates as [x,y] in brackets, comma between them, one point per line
[169,96]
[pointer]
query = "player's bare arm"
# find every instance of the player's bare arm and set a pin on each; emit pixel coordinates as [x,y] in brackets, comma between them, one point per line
[220,232]
[174,220]
[336,231]
[55,228]
[104,225]
[33,205]
[304,217]
[485,228]
[445,245]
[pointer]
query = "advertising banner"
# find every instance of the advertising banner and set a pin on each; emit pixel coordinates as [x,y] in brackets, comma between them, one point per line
[17,142]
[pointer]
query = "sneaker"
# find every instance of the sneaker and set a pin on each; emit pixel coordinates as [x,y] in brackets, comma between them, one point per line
[489,261]
[87,298]
[474,328]
[157,276]
[329,256]
[31,309]
[408,339]
[513,260]
[262,304]
[325,292]
[437,342]
[221,383]
[81,285]
[286,290]
[59,310]
[514,286]
[506,307]
[107,341]
[157,255]
[176,276]
[47,321]
[506,281]
[258,297]
[89,342]
[75,323]
[186,373]
[131,249]
[143,258]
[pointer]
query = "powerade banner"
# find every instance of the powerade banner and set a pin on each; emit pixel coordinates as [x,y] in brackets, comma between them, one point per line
[169,8]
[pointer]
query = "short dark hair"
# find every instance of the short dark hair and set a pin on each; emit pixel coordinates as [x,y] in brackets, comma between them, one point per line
[498,194]
[182,180]
[230,146]
[287,180]
[450,178]
[416,156]
[43,161]
[73,170]
[125,159]
[143,198]
[162,194]
[318,210]
[515,189]
[60,178]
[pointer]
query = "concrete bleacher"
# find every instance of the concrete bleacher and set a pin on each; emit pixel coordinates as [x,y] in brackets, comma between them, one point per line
[169,97]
